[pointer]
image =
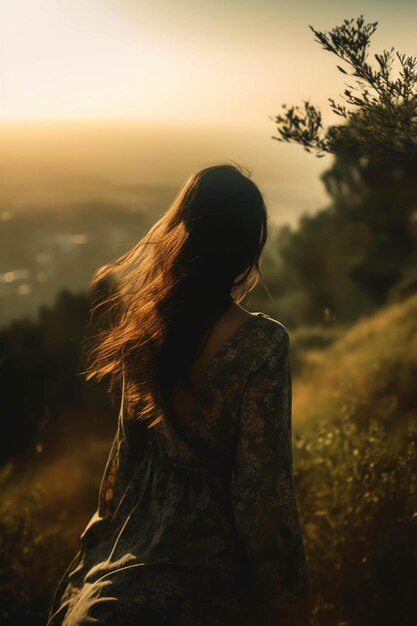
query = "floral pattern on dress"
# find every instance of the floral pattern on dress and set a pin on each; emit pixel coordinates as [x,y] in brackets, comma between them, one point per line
[197,524]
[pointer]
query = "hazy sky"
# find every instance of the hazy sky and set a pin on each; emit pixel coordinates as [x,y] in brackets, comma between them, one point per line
[171,60]
[98,95]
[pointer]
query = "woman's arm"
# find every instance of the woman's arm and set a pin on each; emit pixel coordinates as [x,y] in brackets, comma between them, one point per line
[263,496]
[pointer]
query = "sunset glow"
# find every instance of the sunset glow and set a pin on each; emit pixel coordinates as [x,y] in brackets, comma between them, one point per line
[219,61]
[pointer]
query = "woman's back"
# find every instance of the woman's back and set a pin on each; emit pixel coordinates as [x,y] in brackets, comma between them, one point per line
[183,401]
[197,518]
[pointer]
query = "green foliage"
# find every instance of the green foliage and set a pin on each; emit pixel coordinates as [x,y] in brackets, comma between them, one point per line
[349,257]
[42,513]
[356,468]
[358,495]
[310,338]
[32,559]
[315,280]
[367,372]
[40,376]
[384,124]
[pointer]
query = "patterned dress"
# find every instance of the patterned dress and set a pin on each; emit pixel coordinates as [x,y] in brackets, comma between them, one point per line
[197,524]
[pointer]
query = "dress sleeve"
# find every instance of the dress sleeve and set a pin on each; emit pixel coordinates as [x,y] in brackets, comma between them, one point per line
[126,450]
[127,447]
[263,492]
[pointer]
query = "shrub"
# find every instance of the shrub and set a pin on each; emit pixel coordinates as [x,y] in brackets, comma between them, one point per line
[357,494]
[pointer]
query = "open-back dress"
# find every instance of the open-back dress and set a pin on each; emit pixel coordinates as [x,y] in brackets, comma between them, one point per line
[197,523]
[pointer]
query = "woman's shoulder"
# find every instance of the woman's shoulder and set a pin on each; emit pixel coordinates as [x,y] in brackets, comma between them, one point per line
[266,337]
[273,323]
[272,330]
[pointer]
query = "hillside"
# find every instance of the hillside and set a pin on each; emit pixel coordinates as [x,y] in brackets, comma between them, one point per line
[369,372]
[356,493]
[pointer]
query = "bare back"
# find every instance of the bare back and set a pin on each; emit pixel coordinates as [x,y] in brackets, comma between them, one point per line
[183,402]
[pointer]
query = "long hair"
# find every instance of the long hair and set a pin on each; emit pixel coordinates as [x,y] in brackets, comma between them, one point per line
[172,285]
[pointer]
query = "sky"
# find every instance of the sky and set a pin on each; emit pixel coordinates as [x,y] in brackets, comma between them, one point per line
[233,61]
[106,94]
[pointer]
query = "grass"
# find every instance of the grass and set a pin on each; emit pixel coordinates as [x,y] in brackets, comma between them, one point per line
[368,372]
[358,509]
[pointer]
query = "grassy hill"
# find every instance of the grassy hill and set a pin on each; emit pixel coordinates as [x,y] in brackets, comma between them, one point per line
[370,371]
[354,409]
[355,450]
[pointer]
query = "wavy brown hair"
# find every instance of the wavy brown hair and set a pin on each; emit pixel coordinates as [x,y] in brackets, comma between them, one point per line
[172,285]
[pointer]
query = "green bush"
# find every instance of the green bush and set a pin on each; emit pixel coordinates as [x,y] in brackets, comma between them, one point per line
[33,556]
[357,493]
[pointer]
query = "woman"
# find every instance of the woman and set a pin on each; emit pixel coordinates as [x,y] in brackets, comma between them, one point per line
[197,521]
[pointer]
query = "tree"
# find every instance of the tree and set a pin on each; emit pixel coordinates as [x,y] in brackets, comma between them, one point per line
[384,123]
[351,257]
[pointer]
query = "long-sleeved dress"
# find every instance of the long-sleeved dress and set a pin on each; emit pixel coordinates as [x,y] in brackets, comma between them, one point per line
[197,524]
